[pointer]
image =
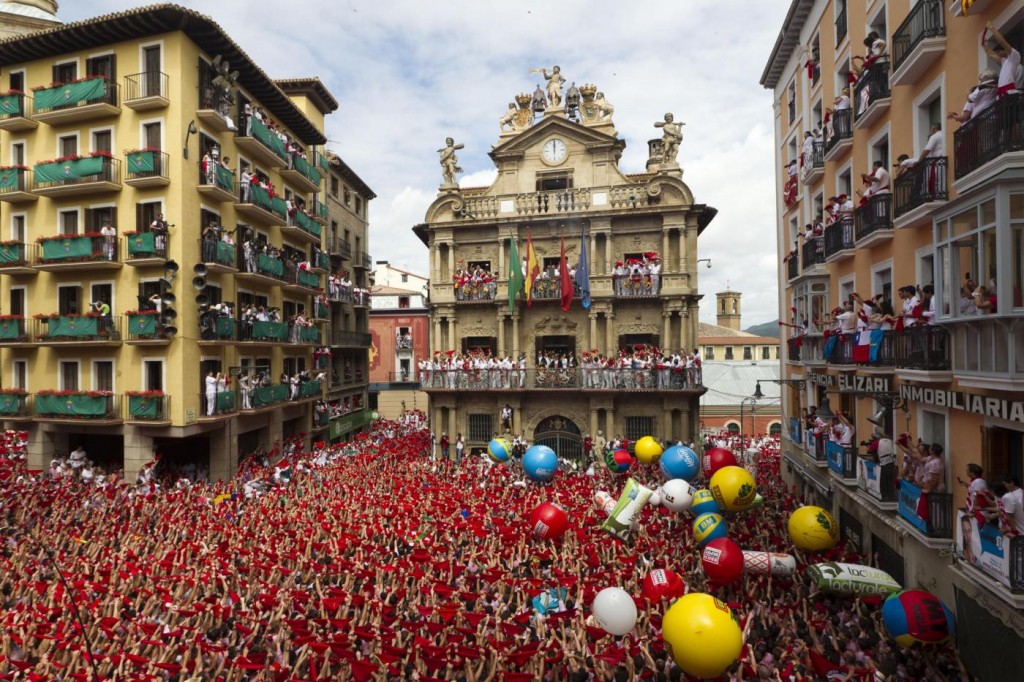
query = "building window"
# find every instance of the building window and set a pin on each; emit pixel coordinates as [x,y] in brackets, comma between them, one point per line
[403,301]
[334,187]
[103,375]
[966,249]
[96,217]
[732,427]
[359,206]
[709,352]
[560,180]
[484,265]
[68,375]
[635,428]
[766,352]
[728,353]
[19,374]
[481,427]
[68,145]
[405,278]
[791,102]
[748,352]
[68,300]
[293,366]
[348,196]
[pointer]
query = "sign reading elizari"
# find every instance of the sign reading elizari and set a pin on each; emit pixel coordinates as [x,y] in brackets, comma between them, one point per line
[851,382]
[1011,410]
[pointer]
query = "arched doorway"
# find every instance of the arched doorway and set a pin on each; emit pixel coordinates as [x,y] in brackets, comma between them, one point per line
[561,435]
[732,427]
[775,429]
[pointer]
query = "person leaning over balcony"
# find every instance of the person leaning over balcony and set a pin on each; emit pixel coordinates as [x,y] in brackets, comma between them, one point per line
[1009,62]
[980,97]
[842,430]
[933,479]
[985,300]
[109,233]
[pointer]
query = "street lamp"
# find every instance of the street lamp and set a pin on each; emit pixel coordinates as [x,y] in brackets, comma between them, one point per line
[753,402]
[796,384]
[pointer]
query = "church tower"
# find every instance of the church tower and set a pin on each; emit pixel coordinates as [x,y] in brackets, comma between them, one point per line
[728,309]
[27,16]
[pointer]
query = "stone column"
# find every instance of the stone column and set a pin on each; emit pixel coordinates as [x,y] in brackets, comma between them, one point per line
[435,341]
[453,334]
[664,250]
[592,341]
[501,333]
[666,330]
[684,320]
[224,450]
[40,447]
[451,260]
[517,420]
[515,335]
[666,424]
[593,422]
[138,450]
[436,276]
[609,332]
[500,265]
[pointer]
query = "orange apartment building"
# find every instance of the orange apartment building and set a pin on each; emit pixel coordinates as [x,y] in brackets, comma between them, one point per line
[955,218]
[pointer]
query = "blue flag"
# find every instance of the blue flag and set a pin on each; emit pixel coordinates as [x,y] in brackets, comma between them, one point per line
[582,278]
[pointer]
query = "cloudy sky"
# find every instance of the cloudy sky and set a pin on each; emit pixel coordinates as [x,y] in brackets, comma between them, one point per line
[408,73]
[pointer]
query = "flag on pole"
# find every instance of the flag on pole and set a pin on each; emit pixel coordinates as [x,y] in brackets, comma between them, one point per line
[566,280]
[583,271]
[515,273]
[532,268]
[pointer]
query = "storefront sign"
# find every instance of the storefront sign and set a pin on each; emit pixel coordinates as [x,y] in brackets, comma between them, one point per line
[855,383]
[826,380]
[1010,410]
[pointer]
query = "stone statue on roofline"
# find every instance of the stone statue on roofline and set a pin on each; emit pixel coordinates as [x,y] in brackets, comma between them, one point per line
[450,164]
[519,116]
[672,137]
[555,83]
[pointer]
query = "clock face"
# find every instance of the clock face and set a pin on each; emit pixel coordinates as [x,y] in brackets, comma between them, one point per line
[554,151]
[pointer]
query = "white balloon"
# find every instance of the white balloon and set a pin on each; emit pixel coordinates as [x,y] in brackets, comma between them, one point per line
[677,495]
[615,611]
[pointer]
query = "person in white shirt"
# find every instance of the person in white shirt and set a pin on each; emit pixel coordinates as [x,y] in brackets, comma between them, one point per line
[910,301]
[1009,61]
[1013,505]
[935,147]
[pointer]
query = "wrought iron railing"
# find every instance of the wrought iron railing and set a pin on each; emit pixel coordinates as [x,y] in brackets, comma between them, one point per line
[997,130]
[669,379]
[874,216]
[923,183]
[926,19]
[872,86]
[841,128]
[839,236]
[812,252]
[923,347]
[144,85]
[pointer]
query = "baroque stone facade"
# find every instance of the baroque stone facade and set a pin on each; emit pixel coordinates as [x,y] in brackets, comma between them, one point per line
[561,178]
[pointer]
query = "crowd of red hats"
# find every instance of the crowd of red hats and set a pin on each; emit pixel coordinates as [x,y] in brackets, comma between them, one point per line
[374,561]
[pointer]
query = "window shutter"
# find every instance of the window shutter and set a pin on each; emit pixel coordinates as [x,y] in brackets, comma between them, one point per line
[140,217]
[56,73]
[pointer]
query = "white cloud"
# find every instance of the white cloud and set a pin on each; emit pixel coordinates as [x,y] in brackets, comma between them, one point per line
[409,73]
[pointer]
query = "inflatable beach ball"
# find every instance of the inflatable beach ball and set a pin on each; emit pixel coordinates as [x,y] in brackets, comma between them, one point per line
[548,521]
[717,458]
[647,450]
[708,527]
[540,463]
[917,618]
[702,635]
[734,488]
[618,461]
[676,495]
[813,529]
[615,611]
[661,583]
[499,450]
[679,461]
[704,502]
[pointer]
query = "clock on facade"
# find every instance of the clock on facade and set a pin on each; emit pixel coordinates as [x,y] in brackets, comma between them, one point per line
[553,151]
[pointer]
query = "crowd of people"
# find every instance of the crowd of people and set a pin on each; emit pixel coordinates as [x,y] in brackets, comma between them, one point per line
[340,288]
[474,284]
[372,560]
[639,367]
[640,276]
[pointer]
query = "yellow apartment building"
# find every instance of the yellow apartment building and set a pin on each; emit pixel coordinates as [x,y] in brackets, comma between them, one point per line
[164,216]
[559,178]
[952,218]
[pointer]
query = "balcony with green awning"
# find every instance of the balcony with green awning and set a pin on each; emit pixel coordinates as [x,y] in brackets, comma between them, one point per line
[147,168]
[77,176]
[148,408]
[12,106]
[262,144]
[12,330]
[143,326]
[77,406]
[17,258]
[16,186]
[263,209]
[69,251]
[276,332]
[266,396]
[271,267]
[74,329]
[13,404]
[302,174]
[310,389]
[309,334]
[307,224]
[308,279]
[143,245]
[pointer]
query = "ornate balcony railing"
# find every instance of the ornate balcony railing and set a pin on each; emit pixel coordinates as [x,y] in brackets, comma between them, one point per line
[17,255]
[75,329]
[72,95]
[73,248]
[351,340]
[877,480]
[680,379]
[142,245]
[841,25]
[815,447]
[922,184]
[874,216]
[839,236]
[792,267]
[922,347]
[841,128]
[148,408]
[145,85]
[872,86]
[88,169]
[926,19]
[793,346]
[812,252]
[578,200]
[997,130]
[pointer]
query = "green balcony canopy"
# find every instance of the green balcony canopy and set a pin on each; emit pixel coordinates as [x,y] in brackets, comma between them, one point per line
[269,139]
[72,93]
[270,266]
[270,330]
[74,326]
[225,253]
[69,247]
[224,177]
[143,407]
[10,105]
[71,405]
[142,325]
[142,244]
[75,169]
[141,162]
